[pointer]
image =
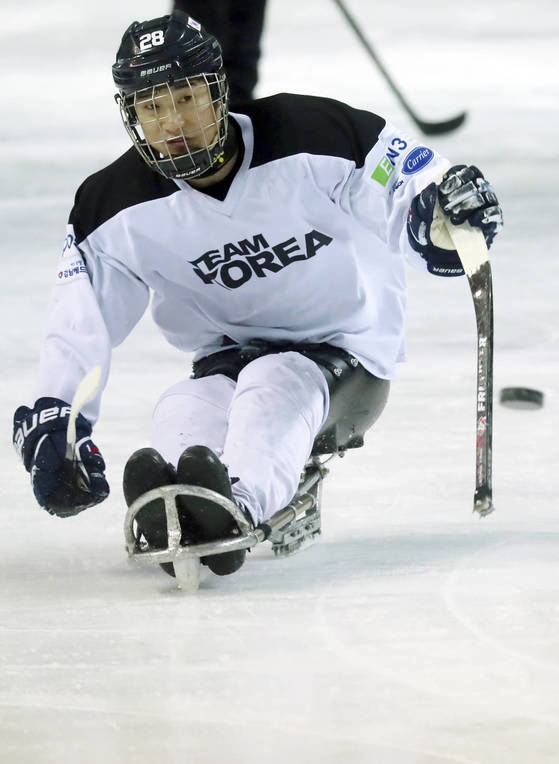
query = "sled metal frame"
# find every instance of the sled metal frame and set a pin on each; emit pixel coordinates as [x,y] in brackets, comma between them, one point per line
[288,529]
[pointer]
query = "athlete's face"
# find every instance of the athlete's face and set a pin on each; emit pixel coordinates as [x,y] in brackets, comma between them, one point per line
[178,118]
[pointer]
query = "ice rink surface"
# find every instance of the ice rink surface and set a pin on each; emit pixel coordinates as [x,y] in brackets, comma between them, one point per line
[414,632]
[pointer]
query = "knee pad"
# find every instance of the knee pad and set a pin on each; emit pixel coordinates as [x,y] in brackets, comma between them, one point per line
[289,371]
[292,376]
[214,389]
[192,412]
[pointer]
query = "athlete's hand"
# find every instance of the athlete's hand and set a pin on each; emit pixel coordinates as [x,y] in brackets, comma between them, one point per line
[463,194]
[64,487]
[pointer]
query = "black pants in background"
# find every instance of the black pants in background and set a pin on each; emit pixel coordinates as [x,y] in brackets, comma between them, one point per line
[238,25]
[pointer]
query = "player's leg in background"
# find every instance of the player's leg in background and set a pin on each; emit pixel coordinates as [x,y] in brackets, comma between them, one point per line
[243,50]
[278,407]
[192,413]
[238,25]
[212,14]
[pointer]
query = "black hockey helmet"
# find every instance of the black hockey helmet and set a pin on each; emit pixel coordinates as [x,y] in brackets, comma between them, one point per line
[156,56]
[163,50]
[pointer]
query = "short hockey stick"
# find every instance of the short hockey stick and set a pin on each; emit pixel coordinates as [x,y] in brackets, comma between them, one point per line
[74,475]
[86,390]
[429,128]
[470,244]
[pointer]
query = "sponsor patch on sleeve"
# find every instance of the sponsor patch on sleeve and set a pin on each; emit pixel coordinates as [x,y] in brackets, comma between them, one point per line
[71,266]
[385,168]
[417,159]
[383,171]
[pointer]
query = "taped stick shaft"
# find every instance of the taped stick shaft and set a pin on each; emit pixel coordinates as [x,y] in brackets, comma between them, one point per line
[482,293]
[470,244]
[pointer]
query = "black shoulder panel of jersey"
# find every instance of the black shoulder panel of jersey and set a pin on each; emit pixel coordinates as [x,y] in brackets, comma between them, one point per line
[124,183]
[288,124]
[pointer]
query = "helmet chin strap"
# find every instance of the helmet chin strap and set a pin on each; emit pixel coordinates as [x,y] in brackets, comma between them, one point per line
[227,152]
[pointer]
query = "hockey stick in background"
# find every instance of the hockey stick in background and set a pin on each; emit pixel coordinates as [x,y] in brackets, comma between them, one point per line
[470,244]
[429,128]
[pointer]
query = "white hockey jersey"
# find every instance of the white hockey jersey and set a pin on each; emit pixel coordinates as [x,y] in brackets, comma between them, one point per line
[308,245]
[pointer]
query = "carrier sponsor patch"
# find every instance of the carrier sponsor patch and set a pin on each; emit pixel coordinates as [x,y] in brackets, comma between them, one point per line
[417,159]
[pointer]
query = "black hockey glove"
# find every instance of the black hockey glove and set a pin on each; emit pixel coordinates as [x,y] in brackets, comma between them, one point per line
[62,486]
[463,194]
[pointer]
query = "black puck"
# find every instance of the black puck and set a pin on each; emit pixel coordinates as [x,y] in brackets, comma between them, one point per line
[521,398]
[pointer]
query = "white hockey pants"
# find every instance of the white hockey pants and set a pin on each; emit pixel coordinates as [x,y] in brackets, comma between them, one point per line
[262,427]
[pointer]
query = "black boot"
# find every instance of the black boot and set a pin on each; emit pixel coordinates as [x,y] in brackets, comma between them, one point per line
[146,469]
[199,466]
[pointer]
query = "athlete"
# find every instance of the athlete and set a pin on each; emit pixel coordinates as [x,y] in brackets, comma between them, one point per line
[273,244]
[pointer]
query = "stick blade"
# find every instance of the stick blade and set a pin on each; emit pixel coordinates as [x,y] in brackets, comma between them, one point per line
[483,501]
[439,128]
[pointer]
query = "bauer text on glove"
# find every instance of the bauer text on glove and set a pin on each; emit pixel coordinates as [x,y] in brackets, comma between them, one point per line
[62,486]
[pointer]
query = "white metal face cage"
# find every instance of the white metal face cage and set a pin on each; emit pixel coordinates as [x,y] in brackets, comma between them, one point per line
[180,127]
